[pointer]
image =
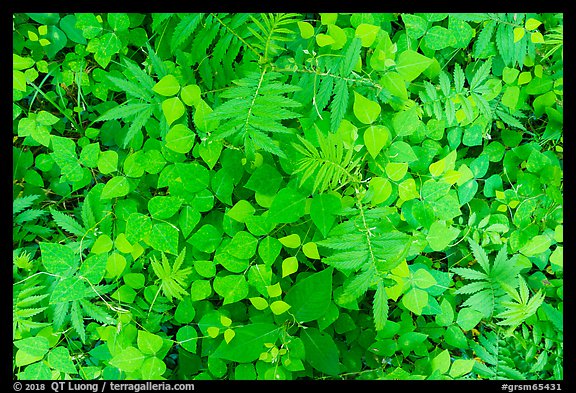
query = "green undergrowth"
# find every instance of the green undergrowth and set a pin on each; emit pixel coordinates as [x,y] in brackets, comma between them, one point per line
[287,196]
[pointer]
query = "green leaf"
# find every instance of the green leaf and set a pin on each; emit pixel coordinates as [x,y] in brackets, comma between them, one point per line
[116,264]
[243,245]
[180,139]
[438,37]
[367,33]
[173,109]
[61,360]
[58,259]
[164,237]
[279,307]
[248,342]
[162,207]
[232,287]
[152,368]
[167,86]
[441,362]
[323,210]
[395,84]
[536,245]
[446,317]
[206,239]
[365,110]
[411,64]
[289,266]
[416,26]
[241,211]
[311,296]
[461,367]
[34,346]
[415,300]
[423,279]
[468,318]
[188,219]
[440,235]
[191,95]
[287,207]
[321,351]
[149,343]
[375,138]
[128,359]
[406,122]
[187,337]
[269,249]
[116,187]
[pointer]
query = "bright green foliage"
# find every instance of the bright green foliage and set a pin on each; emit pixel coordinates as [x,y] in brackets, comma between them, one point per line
[282,196]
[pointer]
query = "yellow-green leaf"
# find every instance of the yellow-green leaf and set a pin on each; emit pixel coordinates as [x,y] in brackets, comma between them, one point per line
[537,37]
[518,33]
[324,39]
[367,33]
[167,86]
[229,335]
[311,250]
[306,29]
[291,241]
[289,266]
[259,303]
[375,138]
[213,331]
[532,24]
[279,307]
[365,110]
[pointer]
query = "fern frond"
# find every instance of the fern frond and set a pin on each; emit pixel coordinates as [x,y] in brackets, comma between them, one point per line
[256,107]
[332,166]
[272,28]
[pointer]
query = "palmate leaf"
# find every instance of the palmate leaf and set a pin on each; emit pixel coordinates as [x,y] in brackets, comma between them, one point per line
[487,293]
[521,307]
[172,278]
